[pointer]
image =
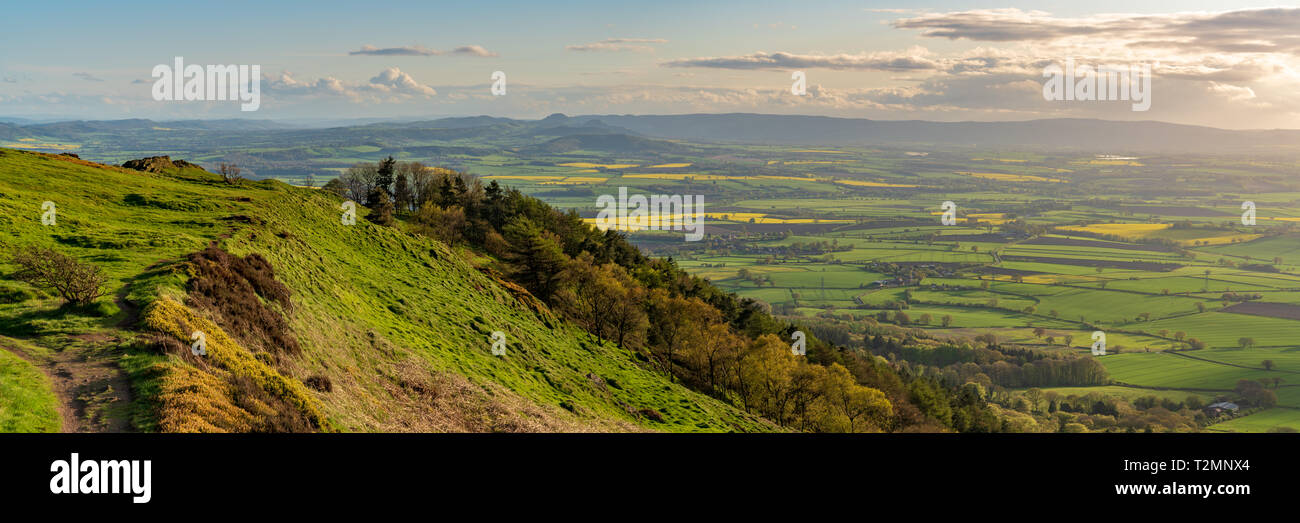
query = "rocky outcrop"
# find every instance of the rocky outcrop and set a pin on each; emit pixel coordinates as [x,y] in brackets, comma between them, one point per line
[156,164]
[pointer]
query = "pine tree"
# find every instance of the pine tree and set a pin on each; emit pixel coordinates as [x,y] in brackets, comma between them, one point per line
[402,194]
[381,207]
[385,179]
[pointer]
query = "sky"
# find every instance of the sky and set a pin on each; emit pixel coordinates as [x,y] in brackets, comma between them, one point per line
[1223,64]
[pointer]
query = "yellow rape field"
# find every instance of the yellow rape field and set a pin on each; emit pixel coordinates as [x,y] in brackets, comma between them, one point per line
[683,176]
[761,218]
[587,165]
[793,178]
[25,144]
[670,165]
[859,183]
[981,215]
[1123,230]
[1130,163]
[1005,177]
[578,180]
[525,178]
[740,217]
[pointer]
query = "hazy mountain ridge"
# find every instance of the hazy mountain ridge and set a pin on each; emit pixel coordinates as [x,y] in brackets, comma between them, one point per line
[765,129]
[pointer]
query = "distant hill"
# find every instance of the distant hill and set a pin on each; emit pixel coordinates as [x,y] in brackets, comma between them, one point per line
[71,129]
[1080,134]
[768,129]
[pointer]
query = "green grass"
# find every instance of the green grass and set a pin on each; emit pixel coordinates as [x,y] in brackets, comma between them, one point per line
[1224,329]
[377,311]
[1261,421]
[1130,393]
[26,402]
[1158,369]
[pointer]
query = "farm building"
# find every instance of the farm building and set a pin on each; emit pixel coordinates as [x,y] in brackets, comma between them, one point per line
[1216,409]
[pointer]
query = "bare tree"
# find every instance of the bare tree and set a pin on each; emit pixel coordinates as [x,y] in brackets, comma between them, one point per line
[76,283]
[229,172]
[359,180]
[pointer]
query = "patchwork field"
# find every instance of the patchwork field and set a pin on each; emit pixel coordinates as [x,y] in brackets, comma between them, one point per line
[1042,251]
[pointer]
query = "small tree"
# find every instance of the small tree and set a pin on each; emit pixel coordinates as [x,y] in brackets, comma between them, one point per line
[381,207]
[229,172]
[384,175]
[1268,364]
[76,283]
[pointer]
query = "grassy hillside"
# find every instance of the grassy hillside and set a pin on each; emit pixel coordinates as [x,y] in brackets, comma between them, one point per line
[393,330]
[27,404]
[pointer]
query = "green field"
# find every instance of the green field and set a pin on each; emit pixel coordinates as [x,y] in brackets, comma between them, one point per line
[26,402]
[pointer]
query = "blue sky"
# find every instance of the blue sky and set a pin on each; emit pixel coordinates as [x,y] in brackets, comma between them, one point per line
[886,60]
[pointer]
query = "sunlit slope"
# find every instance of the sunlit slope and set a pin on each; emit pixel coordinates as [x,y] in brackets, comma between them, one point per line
[399,326]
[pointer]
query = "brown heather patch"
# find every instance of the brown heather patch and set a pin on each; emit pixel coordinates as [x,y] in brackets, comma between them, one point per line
[236,291]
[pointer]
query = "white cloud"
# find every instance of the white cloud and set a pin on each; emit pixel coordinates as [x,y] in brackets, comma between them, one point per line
[618,44]
[416,50]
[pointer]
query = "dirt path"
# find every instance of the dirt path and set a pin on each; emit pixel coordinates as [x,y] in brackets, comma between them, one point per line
[94,394]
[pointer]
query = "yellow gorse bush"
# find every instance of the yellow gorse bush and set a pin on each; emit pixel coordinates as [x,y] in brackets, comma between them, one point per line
[169,317]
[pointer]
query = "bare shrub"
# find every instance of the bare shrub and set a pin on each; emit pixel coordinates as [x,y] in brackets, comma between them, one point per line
[77,283]
[229,172]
